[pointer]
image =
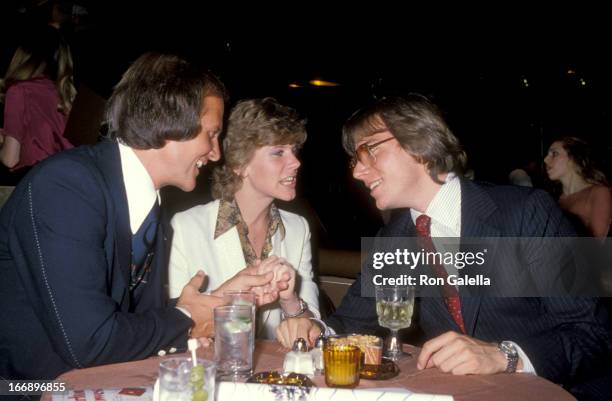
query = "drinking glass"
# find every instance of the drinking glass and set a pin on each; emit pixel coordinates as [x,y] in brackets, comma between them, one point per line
[180,381]
[239,297]
[342,364]
[394,306]
[234,341]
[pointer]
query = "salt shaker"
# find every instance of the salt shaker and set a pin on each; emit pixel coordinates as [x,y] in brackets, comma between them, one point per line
[317,354]
[299,359]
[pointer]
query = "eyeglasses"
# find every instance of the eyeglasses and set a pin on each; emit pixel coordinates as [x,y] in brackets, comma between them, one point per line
[365,154]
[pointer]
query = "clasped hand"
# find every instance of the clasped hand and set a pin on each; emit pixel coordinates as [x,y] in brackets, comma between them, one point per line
[269,279]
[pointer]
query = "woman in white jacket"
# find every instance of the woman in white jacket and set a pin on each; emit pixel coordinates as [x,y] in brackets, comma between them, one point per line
[243,227]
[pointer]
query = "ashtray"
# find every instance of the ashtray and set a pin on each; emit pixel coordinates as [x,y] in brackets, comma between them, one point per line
[385,371]
[274,377]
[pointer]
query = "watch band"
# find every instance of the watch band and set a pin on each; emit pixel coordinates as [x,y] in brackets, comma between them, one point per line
[303,308]
[511,354]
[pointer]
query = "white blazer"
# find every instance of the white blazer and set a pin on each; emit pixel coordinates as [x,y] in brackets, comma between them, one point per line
[194,248]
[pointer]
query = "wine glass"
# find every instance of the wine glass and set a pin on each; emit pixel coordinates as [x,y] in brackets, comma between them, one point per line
[394,306]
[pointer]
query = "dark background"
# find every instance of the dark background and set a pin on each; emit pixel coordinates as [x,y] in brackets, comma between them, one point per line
[509,81]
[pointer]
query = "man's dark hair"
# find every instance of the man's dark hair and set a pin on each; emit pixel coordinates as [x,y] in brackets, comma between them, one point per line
[159,98]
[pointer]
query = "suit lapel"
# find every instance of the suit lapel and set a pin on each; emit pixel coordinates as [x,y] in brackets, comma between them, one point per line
[476,208]
[228,246]
[163,240]
[110,165]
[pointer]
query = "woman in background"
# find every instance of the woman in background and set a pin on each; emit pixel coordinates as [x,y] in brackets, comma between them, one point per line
[37,92]
[585,191]
[243,227]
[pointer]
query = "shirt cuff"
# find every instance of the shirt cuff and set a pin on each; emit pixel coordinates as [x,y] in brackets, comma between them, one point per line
[527,365]
[185,311]
[327,331]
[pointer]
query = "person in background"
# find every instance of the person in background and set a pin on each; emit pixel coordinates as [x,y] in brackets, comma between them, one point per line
[520,177]
[37,92]
[585,193]
[84,244]
[243,226]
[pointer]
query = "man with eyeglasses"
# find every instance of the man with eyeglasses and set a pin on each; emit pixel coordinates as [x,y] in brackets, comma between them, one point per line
[410,161]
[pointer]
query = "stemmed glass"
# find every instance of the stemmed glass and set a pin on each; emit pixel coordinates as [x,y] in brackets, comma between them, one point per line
[394,306]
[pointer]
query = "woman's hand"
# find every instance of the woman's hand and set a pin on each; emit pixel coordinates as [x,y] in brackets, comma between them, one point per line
[284,283]
[284,276]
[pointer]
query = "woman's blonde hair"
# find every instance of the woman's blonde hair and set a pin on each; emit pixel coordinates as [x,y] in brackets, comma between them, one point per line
[44,52]
[253,124]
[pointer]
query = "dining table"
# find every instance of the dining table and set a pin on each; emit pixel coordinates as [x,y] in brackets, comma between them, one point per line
[269,356]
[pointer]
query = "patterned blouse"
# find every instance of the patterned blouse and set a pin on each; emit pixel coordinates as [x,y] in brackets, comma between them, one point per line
[229,216]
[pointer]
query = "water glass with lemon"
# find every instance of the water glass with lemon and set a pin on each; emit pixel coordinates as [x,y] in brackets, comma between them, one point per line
[234,341]
[243,298]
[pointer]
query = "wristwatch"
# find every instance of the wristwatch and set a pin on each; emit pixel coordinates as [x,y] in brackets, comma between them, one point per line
[511,354]
[303,308]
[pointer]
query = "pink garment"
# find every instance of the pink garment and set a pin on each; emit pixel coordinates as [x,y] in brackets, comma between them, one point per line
[32,118]
[593,205]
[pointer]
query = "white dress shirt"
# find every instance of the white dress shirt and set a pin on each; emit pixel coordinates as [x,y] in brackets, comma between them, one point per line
[139,188]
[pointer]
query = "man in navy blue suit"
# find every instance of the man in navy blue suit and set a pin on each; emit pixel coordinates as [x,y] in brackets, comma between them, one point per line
[83,246]
[410,161]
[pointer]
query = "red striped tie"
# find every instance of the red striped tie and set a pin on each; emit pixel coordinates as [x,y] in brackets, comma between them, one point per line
[451,295]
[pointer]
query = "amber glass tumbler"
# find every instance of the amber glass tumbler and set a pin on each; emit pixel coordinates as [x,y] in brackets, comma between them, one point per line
[342,365]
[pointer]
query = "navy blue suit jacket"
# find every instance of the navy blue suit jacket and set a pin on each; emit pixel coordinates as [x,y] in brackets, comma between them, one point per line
[561,336]
[65,254]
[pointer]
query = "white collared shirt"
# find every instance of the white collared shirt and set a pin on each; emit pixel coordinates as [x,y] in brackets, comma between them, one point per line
[444,209]
[139,187]
[140,192]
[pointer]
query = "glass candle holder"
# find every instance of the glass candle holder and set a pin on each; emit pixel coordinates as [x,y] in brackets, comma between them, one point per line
[342,365]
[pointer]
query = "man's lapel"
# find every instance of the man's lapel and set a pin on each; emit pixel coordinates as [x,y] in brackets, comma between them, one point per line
[476,208]
[161,261]
[110,165]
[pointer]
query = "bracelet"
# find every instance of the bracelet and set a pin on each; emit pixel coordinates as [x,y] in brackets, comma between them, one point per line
[303,308]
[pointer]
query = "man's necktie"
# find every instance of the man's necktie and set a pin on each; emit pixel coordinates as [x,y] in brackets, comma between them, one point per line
[451,295]
[143,245]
